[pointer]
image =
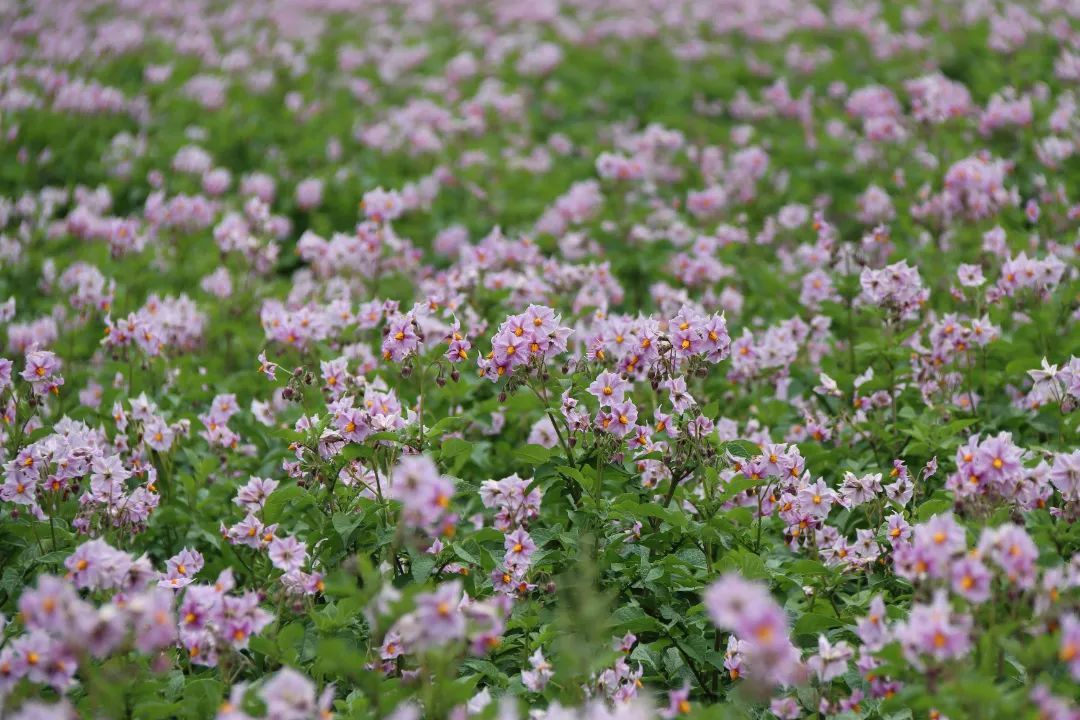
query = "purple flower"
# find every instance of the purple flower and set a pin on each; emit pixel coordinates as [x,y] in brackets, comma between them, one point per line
[622,419]
[309,193]
[458,349]
[43,372]
[859,490]
[831,661]
[44,660]
[1070,644]
[749,611]
[730,597]
[519,549]
[815,500]
[439,616]
[681,399]
[785,708]
[998,458]
[48,605]
[918,562]
[5,373]
[541,319]
[154,620]
[266,367]
[392,646]
[400,338]
[971,580]
[20,487]
[763,626]
[1012,549]
[716,344]
[41,365]
[609,388]
[934,631]
[253,494]
[200,607]
[541,673]
[287,553]
[509,349]
[288,696]
[354,424]
[381,206]
[505,581]
[1065,474]
[34,710]
[942,534]
[872,629]
[181,569]
[897,529]
[678,703]
[248,532]
[425,494]
[97,565]
[158,435]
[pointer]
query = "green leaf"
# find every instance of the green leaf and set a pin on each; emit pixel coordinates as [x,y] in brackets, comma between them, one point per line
[933,506]
[630,618]
[337,658]
[804,568]
[748,564]
[157,709]
[344,524]
[288,641]
[202,697]
[813,624]
[354,451]
[444,425]
[422,565]
[453,448]
[465,555]
[289,498]
[693,557]
[741,448]
[532,454]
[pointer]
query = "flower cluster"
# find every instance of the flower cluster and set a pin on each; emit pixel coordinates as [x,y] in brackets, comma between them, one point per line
[748,611]
[534,336]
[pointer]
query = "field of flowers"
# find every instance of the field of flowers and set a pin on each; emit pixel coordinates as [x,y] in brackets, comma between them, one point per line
[565,359]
